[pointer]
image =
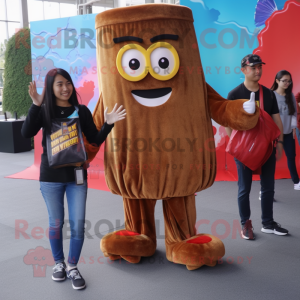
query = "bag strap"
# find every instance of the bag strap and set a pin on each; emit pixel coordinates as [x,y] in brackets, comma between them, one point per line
[261,97]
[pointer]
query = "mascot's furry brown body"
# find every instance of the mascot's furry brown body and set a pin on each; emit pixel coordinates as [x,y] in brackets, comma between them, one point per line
[164,149]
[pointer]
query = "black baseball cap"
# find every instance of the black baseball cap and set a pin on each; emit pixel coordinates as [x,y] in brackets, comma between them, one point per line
[251,60]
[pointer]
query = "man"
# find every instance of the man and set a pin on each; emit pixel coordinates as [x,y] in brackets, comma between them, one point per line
[251,66]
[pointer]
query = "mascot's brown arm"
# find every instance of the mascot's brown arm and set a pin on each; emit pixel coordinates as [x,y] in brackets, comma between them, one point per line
[230,113]
[98,116]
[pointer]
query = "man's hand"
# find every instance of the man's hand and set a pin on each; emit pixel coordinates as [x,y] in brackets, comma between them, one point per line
[276,118]
[279,149]
[249,106]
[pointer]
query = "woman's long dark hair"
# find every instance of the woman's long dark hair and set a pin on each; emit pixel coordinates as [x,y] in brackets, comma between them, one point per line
[288,91]
[50,99]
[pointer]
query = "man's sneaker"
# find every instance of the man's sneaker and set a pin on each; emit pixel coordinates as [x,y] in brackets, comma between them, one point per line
[274,228]
[297,186]
[247,231]
[59,272]
[77,281]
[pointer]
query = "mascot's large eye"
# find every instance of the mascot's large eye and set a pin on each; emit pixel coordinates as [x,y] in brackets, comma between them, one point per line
[132,62]
[164,61]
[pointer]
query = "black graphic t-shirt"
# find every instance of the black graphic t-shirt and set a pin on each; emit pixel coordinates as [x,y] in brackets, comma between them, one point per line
[270,102]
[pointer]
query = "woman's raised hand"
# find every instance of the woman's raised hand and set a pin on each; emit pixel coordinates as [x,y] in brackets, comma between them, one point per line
[115,115]
[37,99]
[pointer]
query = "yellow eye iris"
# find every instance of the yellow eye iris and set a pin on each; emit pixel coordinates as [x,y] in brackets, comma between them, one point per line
[164,61]
[160,59]
[132,62]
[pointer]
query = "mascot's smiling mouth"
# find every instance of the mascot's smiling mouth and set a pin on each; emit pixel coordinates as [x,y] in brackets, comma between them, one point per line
[152,98]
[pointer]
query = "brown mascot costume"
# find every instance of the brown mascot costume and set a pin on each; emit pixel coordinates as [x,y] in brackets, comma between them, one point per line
[164,149]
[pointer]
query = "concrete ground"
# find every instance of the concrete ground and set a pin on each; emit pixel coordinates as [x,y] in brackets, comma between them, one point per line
[266,268]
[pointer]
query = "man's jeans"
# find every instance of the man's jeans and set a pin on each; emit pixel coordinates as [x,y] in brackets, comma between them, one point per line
[267,189]
[53,193]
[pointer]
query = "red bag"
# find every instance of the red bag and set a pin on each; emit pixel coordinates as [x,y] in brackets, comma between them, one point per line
[254,147]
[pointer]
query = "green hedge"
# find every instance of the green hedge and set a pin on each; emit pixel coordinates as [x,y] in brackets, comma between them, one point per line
[17,73]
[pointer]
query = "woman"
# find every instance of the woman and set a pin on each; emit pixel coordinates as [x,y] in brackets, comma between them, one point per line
[298,118]
[283,87]
[59,100]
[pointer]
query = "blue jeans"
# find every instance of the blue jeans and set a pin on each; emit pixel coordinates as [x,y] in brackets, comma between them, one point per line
[298,135]
[290,152]
[267,189]
[53,193]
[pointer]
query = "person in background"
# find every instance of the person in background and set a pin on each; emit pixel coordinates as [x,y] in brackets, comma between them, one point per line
[251,66]
[283,87]
[298,118]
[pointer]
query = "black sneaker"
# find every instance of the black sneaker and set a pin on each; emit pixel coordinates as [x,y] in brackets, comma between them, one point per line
[247,231]
[59,272]
[77,281]
[274,228]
